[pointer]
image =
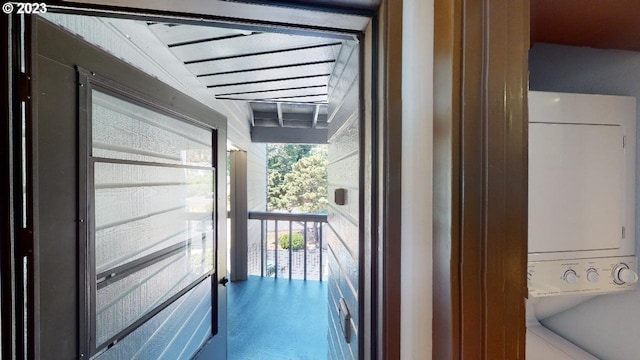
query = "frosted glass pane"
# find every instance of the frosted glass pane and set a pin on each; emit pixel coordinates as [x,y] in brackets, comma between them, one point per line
[140,209]
[123,130]
[177,332]
[144,209]
[120,304]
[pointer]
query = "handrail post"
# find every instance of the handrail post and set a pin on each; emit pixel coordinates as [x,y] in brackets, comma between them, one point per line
[290,247]
[276,254]
[305,250]
[320,241]
[262,241]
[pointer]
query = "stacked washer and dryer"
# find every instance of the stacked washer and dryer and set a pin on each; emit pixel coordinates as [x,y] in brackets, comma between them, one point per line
[581,209]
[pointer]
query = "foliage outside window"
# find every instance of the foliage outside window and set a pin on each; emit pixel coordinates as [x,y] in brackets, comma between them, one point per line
[297,241]
[297,178]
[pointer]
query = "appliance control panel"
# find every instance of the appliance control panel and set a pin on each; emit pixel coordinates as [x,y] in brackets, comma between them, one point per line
[582,276]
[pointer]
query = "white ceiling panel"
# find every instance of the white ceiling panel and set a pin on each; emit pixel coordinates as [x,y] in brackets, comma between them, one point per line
[272,85]
[287,57]
[172,34]
[261,68]
[269,74]
[249,44]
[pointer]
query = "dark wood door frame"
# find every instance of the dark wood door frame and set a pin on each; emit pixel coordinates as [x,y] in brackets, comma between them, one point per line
[8,133]
[480,183]
[388,58]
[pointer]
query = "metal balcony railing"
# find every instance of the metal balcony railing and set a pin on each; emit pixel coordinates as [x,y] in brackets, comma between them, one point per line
[290,246]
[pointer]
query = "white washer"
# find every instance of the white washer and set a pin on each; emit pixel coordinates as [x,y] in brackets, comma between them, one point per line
[544,344]
[581,208]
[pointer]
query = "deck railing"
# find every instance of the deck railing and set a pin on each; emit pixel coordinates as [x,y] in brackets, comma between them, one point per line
[286,257]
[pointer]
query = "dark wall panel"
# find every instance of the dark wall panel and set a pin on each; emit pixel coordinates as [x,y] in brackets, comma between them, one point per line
[55,217]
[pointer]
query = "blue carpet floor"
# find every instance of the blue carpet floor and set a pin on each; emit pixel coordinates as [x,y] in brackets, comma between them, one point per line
[277,319]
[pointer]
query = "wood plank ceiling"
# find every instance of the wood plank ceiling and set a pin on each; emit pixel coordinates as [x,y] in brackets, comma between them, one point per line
[603,24]
[284,78]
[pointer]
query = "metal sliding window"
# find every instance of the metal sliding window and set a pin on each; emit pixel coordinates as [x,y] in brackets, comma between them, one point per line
[149,205]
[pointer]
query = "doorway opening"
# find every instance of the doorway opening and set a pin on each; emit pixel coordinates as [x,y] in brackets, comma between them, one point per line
[279,309]
[312,83]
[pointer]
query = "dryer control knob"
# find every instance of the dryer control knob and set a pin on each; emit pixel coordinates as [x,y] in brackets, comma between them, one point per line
[570,277]
[623,275]
[592,275]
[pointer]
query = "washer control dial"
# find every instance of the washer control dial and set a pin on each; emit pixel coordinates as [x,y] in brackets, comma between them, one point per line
[622,274]
[592,275]
[570,276]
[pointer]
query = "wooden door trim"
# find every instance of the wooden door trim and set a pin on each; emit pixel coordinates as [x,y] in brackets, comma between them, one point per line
[480,179]
[388,80]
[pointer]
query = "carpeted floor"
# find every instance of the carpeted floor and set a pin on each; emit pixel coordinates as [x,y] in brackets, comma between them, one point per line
[277,319]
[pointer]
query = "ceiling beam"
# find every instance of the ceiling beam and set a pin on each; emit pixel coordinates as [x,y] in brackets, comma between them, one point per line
[286,116]
[314,123]
[289,135]
[280,118]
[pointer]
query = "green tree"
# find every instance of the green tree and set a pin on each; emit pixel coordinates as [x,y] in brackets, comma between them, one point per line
[280,160]
[275,190]
[305,187]
[297,177]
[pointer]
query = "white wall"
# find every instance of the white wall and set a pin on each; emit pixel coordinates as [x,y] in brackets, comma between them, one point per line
[607,326]
[417,173]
